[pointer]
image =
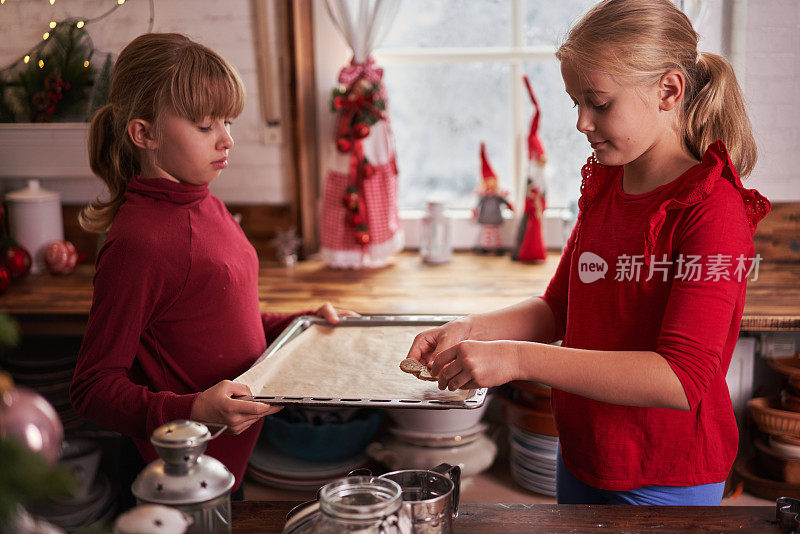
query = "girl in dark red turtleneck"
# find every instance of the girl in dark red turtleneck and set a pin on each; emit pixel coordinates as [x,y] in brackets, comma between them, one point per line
[175,312]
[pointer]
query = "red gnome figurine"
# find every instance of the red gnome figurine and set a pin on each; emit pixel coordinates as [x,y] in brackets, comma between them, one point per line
[530,239]
[488,212]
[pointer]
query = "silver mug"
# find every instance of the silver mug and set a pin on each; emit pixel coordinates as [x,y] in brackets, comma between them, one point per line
[430,496]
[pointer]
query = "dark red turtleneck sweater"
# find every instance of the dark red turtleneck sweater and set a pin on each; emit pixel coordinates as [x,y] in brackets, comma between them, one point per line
[175,310]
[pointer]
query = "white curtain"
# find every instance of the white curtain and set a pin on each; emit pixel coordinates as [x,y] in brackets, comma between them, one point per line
[697,11]
[363,23]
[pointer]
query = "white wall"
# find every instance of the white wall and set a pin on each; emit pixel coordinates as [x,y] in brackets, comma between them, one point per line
[257,171]
[772,89]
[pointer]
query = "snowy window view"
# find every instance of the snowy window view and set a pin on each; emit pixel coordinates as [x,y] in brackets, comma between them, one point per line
[453,69]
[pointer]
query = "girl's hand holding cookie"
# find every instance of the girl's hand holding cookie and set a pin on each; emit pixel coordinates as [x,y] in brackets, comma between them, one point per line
[476,364]
[215,405]
[331,314]
[430,343]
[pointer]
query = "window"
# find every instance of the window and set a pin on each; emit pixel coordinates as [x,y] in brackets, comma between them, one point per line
[454,75]
[453,70]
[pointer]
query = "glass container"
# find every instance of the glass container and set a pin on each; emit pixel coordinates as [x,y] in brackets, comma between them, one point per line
[435,245]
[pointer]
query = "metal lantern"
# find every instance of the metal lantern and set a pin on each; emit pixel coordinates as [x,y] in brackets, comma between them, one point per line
[185,479]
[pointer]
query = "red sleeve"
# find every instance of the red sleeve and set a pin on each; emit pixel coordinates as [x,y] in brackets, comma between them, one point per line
[130,289]
[558,289]
[275,323]
[702,309]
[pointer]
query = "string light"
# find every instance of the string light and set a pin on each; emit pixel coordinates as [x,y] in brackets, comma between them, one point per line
[86,64]
[79,24]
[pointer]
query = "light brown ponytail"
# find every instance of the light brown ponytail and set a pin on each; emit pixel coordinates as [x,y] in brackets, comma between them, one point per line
[154,73]
[641,40]
[112,158]
[716,110]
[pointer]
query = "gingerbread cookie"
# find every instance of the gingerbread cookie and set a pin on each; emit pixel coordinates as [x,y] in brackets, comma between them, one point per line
[418,369]
[425,374]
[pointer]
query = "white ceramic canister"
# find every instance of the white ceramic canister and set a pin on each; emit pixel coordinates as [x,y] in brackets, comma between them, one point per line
[35,219]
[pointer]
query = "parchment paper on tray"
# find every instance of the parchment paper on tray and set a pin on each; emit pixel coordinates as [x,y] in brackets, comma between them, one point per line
[347,363]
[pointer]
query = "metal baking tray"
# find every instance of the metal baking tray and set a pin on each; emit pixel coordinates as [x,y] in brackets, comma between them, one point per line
[475,398]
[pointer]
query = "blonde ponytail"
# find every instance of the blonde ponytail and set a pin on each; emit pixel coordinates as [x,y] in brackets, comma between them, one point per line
[113,160]
[716,110]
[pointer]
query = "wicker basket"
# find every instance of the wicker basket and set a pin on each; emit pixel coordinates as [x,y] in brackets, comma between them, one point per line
[760,486]
[790,401]
[787,366]
[777,466]
[771,419]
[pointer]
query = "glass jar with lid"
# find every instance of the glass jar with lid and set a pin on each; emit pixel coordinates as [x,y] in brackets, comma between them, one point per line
[362,504]
[435,246]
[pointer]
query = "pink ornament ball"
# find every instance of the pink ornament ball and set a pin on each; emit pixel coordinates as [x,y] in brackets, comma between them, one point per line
[60,257]
[27,417]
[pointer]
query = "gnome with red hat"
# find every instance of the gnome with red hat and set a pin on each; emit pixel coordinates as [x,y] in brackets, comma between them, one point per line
[530,241]
[488,212]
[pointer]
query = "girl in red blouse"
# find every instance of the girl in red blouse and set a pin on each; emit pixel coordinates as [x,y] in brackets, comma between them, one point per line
[175,312]
[648,295]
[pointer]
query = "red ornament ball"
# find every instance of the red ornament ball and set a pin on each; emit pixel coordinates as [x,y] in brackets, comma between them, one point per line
[60,257]
[350,201]
[343,144]
[17,260]
[338,102]
[5,278]
[362,238]
[369,170]
[361,130]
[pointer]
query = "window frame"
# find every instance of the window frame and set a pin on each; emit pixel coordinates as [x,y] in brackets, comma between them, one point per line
[464,231]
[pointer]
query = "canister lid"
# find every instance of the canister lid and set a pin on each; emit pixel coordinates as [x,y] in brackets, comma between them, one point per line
[32,193]
[181,433]
[207,480]
[435,205]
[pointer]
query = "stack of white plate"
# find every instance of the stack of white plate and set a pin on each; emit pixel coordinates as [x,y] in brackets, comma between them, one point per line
[271,467]
[533,460]
[471,449]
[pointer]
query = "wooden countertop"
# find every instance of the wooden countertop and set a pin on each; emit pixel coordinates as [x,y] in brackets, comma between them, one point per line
[269,516]
[47,304]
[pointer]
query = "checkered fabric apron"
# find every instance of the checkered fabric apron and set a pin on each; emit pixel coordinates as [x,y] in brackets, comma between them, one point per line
[380,197]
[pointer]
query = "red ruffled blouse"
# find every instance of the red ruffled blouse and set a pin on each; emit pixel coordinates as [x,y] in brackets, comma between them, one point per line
[664,271]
